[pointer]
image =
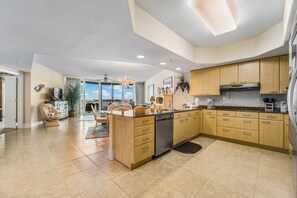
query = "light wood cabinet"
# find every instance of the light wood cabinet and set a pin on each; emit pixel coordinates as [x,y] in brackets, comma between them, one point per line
[230,133]
[196,83]
[271,133]
[249,72]
[249,136]
[209,124]
[249,124]
[211,81]
[284,73]
[229,74]
[177,130]
[270,75]
[133,139]
[243,114]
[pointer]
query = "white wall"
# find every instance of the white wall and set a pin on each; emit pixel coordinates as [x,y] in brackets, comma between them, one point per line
[47,77]
[179,98]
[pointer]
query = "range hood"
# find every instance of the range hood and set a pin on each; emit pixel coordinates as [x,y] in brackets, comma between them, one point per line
[240,87]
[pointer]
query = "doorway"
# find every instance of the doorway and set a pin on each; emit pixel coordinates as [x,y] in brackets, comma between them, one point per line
[8,102]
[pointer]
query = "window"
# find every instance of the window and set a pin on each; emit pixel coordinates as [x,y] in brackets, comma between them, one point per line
[106,92]
[91,91]
[117,92]
[129,93]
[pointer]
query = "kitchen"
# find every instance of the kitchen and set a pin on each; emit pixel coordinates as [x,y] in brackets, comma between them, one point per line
[212,106]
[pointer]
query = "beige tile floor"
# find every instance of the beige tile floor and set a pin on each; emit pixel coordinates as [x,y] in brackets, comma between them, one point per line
[59,162]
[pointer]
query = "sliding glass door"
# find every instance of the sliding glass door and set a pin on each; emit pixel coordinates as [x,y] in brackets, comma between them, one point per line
[101,95]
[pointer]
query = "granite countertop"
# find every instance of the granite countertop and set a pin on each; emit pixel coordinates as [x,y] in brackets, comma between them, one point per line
[148,112]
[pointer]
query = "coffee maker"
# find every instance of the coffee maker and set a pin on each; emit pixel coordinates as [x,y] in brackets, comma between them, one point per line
[269,104]
[209,103]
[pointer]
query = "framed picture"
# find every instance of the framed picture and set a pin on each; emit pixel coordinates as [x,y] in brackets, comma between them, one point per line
[167,82]
[150,91]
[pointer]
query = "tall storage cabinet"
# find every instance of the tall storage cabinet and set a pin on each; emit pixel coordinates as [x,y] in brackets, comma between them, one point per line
[62,107]
[269,75]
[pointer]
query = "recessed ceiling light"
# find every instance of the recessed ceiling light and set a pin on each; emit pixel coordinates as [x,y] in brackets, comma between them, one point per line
[140,56]
[178,69]
[162,63]
[215,14]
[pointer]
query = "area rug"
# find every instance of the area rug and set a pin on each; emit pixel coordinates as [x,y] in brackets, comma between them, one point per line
[100,132]
[189,148]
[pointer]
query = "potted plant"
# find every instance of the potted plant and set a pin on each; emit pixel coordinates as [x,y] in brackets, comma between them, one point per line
[182,83]
[72,95]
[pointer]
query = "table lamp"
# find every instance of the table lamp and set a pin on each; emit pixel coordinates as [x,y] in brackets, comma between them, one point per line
[152,99]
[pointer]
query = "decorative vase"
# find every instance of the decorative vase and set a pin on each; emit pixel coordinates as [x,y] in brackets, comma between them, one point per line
[72,113]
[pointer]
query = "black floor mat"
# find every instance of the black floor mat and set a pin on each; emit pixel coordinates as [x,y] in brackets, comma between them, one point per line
[189,148]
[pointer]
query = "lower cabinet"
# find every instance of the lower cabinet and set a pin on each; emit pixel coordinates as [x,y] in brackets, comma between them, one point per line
[228,132]
[271,133]
[185,126]
[134,139]
[209,124]
[249,136]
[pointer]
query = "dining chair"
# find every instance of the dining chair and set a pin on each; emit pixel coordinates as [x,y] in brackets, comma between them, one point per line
[99,118]
[127,105]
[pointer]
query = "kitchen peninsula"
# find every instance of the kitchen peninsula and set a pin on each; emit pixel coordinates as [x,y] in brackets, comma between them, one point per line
[132,133]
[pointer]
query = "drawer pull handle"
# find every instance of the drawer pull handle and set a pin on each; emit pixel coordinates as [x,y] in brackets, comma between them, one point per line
[270,116]
[225,119]
[273,92]
[212,117]
[265,122]
[242,81]
[208,112]
[145,148]
[247,122]
[247,133]
[146,130]
[145,139]
[226,114]
[226,130]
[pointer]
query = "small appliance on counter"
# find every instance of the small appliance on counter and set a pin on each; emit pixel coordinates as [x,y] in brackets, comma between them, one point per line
[283,108]
[195,104]
[209,103]
[269,104]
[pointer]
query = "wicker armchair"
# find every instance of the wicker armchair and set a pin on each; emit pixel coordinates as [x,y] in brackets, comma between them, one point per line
[50,115]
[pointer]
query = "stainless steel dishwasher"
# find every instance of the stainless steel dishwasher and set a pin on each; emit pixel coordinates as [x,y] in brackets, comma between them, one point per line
[163,133]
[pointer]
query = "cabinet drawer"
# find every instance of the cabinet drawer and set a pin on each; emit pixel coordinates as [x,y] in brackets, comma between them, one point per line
[143,139]
[249,124]
[144,130]
[228,132]
[143,152]
[178,115]
[271,116]
[249,136]
[144,121]
[187,114]
[226,113]
[231,122]
[195,113]
[253,115]
[210,112]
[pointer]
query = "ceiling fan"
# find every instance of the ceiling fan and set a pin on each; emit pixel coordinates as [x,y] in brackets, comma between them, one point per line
[105,79]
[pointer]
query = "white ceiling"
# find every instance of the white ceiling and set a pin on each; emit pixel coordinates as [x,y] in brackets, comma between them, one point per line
[95,69]
[252,18]
[68,34]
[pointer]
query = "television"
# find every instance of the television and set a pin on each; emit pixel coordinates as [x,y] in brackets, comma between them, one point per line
[57,93]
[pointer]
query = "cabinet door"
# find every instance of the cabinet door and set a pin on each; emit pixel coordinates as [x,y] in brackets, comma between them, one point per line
[269,75]
[271,133]
[209,124]
[229,74]
[176,131]
[211,81]
[189,128]
[196,82]
[249,72]
[195,125]
[286,134]
[284,73]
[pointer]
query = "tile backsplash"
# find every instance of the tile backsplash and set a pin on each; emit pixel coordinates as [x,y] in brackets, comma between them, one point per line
[242,98]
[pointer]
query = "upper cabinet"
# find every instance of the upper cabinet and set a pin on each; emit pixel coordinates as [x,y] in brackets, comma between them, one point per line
[249,72]
[205,82]
[284,73]
[269,75]
[229,74]
[272,73]
[211,81]
[196,82]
